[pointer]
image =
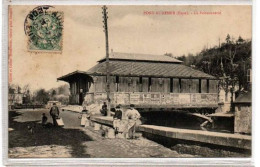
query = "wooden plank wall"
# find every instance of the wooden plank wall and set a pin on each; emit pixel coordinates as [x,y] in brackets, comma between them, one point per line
[160,85]
[145,84]
[100,84]
[213,86]
[204,86]
[113,85]
[175,85]
[185,88]
[123,84]
[155,85]
[132,84]
[166,85]
[195,86]
[129,84]
[73,88]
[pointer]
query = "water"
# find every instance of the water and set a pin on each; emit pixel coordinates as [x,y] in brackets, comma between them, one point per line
[183,120]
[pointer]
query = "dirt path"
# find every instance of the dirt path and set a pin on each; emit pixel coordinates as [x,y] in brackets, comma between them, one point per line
[72,140]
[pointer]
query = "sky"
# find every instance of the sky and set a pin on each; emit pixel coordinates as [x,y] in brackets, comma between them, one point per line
[131,30]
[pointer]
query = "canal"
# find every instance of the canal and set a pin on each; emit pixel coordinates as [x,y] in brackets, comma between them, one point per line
[185,120]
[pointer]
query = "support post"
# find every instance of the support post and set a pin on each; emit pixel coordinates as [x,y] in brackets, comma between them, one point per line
[105,17]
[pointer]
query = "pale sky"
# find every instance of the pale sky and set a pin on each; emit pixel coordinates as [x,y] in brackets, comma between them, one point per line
[130,31]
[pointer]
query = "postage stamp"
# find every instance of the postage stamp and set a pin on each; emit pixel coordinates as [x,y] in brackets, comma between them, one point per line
[44,29]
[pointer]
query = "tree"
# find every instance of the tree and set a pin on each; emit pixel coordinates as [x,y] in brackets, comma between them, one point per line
[240,40]
[11,95]
[26,94]
[42,96]
[19,89]
[168,54]
[230,54]
[53,92]
[63,89]
[228,41]
[228,62]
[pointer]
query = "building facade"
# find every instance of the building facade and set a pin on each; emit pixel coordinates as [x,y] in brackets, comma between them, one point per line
[148,81]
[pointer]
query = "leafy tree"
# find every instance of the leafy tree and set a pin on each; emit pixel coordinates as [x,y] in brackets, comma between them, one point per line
[63,89]
[168,54]
[228,41]
[228,62]
[240,40]
[42,96]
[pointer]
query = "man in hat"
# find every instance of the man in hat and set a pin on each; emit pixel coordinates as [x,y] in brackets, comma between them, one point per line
[117,117]
[133,116]
[54,112]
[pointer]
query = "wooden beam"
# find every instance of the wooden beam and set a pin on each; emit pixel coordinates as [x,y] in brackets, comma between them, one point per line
[207,85]
[105,17]
[199,85]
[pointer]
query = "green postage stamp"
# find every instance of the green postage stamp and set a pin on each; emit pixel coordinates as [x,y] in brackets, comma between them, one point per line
[44,29]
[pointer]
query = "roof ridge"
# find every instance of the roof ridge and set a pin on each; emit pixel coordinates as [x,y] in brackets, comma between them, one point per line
[141,57]
[138,53]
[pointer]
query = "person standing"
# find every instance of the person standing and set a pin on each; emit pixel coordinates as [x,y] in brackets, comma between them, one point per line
[117,118]
[54,112]
[133,116]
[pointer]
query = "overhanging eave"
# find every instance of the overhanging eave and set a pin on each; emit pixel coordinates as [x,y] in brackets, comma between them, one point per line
[74,76]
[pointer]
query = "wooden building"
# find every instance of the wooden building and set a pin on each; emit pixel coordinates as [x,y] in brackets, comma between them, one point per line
[148,81]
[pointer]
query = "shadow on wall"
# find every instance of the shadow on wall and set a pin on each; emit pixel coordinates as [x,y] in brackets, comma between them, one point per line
[21,137]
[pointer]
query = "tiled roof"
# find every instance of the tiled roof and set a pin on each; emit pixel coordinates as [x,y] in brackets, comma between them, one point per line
[155,69]
[141,57]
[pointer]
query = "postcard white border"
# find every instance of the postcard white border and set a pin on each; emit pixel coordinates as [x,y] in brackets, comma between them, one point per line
[115,161]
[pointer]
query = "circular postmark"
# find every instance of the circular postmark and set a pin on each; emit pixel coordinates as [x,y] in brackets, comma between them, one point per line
[44,29]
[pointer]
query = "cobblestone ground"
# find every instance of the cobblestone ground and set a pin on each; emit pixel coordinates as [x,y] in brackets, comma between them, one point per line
[73,140]
[122,148]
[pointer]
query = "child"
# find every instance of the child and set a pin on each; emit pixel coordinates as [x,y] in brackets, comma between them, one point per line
[85,116]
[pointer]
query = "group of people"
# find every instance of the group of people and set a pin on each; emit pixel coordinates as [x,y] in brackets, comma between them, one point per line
[124,123]
[128,124]
[54,112]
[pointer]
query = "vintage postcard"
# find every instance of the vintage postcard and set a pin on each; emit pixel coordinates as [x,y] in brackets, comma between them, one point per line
[129,81]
